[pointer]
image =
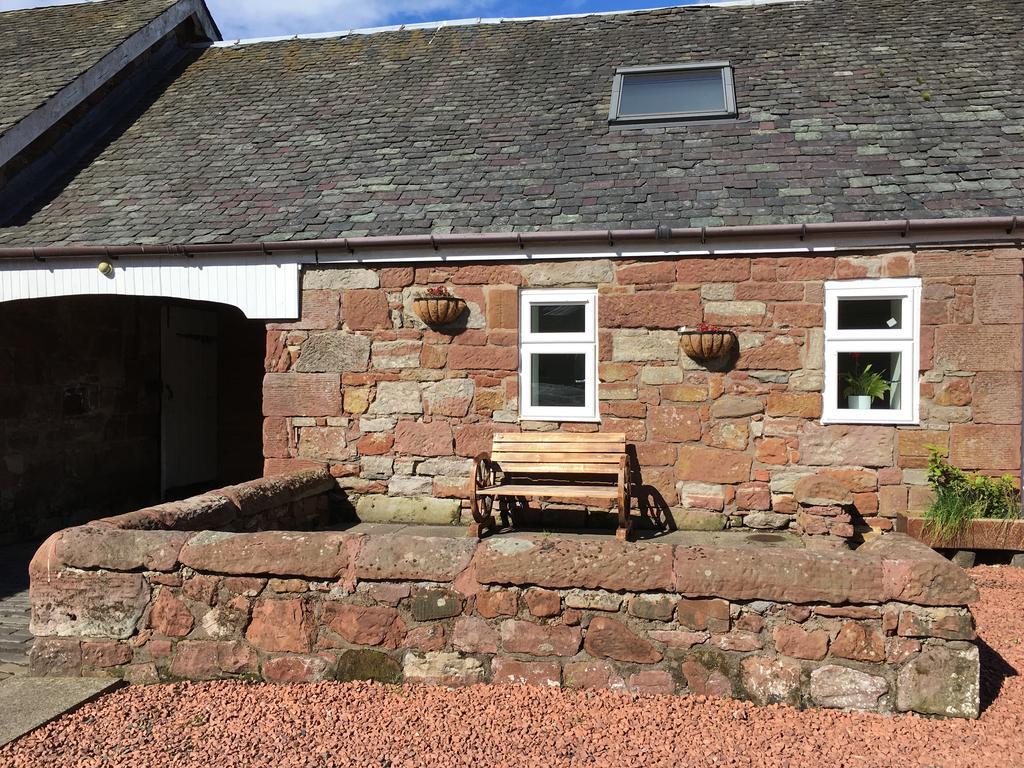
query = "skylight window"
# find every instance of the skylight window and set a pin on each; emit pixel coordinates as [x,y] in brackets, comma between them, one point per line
[672,92]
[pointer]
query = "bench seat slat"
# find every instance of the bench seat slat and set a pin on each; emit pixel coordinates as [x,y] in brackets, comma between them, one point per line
[616,448]
[571,468]
[559,437]
[552,491]
[545,457]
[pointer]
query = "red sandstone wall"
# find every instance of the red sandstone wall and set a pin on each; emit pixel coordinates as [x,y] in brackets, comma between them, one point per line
[361,386]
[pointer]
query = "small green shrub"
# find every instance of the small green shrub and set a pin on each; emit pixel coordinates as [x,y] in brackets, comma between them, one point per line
[963,496]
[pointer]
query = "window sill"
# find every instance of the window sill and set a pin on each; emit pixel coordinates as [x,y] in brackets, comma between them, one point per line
[556,420]
[874,422]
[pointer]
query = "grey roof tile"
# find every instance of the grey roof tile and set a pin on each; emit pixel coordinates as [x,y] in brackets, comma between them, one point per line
[849,110]
[44,49]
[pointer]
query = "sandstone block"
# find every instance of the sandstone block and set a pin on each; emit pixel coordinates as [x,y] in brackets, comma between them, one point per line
[281,625]
[673,423]
[985,446]
[496,602]
[568,563]
[474,635]
[416,439]
[600,675]
[387,355]
[365,309]
[318,555]
[831,445]
[609,638]
[441,668]
[363,624]
[332,352]
[710,614]
[800,643]
[650,309]
[771,681]
[712,465]
[568,273]
[542,603]
[486,358]
[845,688]
[169,616]
[859,642]
[545,674]
[652,682]
[397,397]
[422,510]
[703,681]
[401,557]
[293,394]
[641,346]
[947,623]
[821,490]
[767,521]
[449,397]
[653,607]
[798,405]
[365,664]
[400,485]
[536,640]
[431,603]
[940,681]
[677,638]
[297,669]
[339,278]
[97,604]
[55,657]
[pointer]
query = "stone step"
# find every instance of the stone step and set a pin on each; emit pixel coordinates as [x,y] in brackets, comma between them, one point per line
[29,702]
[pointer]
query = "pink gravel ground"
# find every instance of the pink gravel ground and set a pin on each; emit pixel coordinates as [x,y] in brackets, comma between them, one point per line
[364,724]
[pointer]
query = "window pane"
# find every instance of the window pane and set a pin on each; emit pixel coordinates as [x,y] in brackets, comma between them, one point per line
[558,380]
[870,314]
[558,318]
[859,386]
[692,90]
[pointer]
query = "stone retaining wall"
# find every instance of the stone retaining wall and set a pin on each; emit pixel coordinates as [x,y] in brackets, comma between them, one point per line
[395,409]
[885,628]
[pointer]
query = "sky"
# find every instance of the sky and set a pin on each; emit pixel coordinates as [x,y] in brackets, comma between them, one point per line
[265,18]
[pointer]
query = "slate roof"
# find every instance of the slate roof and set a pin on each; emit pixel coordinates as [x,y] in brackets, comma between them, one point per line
[849,110]
[44,49]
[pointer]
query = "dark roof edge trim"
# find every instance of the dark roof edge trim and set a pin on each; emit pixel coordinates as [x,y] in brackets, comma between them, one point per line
[58,106]
[1001,229]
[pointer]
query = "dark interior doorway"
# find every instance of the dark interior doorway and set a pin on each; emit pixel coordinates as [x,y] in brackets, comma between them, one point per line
[111,403]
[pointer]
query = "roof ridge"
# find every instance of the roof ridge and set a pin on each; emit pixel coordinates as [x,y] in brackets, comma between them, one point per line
[482,20]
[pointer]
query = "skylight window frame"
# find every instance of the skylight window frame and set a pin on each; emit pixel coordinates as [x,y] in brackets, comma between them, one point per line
[724,68]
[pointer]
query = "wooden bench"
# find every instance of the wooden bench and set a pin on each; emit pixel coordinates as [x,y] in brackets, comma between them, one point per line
[549,465]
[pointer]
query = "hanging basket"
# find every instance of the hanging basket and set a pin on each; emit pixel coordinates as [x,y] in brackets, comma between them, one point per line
[438,310]
[704,346]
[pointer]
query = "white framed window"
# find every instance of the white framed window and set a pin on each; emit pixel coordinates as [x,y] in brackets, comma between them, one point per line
[872,351]
[558,355]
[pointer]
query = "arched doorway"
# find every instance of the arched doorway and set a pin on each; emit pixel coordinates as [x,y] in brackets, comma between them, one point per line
[110,403]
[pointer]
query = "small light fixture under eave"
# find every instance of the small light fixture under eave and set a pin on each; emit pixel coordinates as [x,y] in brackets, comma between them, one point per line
[672,93]
[106,268]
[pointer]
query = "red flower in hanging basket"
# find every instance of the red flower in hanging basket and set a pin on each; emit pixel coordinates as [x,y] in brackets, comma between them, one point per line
[437,306]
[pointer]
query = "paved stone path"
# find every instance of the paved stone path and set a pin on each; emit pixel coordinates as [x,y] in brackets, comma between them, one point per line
[15,639]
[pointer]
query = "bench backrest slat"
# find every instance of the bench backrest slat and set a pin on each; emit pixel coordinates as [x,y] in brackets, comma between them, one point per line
[563,453]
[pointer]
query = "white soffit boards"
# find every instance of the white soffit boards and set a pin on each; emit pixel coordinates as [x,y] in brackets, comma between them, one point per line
[263,287]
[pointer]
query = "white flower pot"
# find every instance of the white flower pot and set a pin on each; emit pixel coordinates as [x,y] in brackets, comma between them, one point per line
[858,402]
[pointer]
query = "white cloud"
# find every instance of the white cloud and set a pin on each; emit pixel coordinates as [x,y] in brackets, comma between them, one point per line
[264,18]
[257,18]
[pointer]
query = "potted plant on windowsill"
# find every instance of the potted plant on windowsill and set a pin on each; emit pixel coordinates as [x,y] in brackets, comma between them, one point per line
[863,387]
[707,342]
[437,306]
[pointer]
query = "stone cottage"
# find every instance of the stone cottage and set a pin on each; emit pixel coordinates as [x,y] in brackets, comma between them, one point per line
[210,253]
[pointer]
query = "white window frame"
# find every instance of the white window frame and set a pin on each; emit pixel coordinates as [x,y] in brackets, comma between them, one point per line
[558,343]
[905,341]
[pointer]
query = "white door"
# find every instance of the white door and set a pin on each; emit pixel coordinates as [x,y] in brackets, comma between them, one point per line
[188,418]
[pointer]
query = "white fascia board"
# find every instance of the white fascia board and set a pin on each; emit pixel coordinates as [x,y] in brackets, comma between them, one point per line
[74,93]
[263,287]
